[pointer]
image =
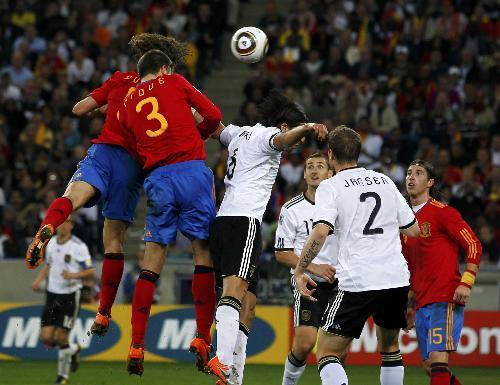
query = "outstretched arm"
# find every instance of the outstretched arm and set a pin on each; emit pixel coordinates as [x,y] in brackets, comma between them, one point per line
[291,137]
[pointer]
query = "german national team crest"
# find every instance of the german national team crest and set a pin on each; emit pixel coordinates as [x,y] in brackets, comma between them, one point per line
[425,230]
[305,315]
[67,258]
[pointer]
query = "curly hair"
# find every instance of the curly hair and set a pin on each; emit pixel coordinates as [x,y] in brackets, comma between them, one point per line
[144,42]
[276,109]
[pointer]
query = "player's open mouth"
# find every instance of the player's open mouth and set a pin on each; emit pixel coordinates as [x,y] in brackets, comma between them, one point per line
[411,184]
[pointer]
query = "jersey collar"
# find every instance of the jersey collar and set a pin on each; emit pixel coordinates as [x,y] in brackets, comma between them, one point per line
[349,168]
[307,199]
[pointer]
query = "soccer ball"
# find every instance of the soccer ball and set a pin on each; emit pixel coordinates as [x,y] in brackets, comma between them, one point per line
[249,44]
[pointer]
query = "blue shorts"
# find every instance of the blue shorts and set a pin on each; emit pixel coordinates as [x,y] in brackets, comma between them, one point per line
[438,327]
[180,197]
[116,175]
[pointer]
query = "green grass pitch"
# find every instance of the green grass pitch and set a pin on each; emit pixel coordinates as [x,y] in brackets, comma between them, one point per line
[111,373]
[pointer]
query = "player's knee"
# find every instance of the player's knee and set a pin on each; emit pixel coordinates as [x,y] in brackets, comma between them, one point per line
[47,340]
[304,344]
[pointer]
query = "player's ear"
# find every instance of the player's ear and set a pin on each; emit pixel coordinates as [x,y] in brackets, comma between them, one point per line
[430,183]
[330,173]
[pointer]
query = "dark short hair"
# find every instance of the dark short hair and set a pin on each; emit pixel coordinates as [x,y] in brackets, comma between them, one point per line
[316,155]
[152,61]
[345,144]
[431,174]
[277,109]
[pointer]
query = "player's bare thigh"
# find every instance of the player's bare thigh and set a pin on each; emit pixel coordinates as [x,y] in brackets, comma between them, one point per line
[113,235]
[331,344]
[304,341]
[79,193]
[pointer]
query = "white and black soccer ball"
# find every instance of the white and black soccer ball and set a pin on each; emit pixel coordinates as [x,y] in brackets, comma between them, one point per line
[249,44]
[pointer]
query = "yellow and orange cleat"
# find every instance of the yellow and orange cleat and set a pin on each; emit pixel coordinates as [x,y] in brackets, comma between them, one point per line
[34,255]
[219,370]
[201,351]
[100,325]
[135,360]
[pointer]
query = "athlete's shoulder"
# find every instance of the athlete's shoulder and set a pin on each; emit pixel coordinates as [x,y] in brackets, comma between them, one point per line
[439,206]
[129,77]
[294,202]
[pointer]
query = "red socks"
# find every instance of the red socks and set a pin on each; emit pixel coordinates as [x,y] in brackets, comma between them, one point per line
[440,375]
[58,211]
[141,305]
[112,271]
[203,288]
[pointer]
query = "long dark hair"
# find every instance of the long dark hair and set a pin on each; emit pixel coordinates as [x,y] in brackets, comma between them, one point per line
[431,174]
[276,109]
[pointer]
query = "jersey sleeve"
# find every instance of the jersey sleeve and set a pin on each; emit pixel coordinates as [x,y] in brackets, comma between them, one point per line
[228,133]
[83,256]
[210,112]
[265,141]
[285,233]
[406,216]
[456,227]
[325,207]
[100,94]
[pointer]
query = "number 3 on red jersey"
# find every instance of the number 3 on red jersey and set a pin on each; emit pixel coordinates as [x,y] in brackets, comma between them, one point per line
[153,115]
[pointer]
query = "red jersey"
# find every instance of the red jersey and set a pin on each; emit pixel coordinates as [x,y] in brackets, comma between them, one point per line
[159,114]
[112,92]
[433,255]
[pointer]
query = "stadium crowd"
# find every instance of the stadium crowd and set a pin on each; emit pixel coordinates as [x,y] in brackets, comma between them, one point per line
[416,79]
[52,53]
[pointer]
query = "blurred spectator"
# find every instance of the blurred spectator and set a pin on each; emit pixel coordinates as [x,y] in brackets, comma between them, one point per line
[18,72]
[81,68]
[491,251]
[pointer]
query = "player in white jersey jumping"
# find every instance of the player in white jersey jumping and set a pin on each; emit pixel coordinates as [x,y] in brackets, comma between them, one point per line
[68,261]
[367,212]
[295,224]
[235,239]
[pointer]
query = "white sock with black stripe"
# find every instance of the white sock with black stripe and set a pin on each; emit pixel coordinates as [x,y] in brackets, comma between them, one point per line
[294,368]
[392,371]
[64,361]
[331,371]
[240,352]
[227,319]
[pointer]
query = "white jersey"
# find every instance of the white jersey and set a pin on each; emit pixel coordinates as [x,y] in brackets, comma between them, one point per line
[72,256]
[367,211]
[294,226]
[252,168]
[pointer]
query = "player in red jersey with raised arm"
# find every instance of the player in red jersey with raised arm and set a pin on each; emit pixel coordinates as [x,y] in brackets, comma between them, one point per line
[111,172]
[179,186]
[438,291]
